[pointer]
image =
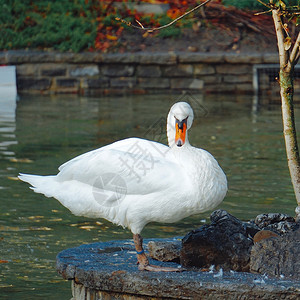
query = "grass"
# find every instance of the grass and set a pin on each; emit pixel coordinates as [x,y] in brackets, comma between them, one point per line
[62,25]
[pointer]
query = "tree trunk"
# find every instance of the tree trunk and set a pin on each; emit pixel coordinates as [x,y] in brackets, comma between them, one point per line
[288,59]
[289,129]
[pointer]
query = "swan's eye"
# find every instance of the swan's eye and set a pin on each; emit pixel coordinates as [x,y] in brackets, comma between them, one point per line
[184,120]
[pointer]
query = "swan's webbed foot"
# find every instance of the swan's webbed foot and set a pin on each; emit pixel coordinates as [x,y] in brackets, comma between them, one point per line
[143,261]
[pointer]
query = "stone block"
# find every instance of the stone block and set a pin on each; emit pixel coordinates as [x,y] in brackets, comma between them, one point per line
[234,69]
[244,87]
[168,58]
[238,78]
[53,70]
[271,58]
[67,82]
[27,70]
[204,69]
[86,57]
[187,83]
[96,83]
[253,58]
[154,83]
[92,92]
[118,70]
[181,70]
[3,58]
[148,71]
[69,57]
[199,57]
[121,91]
[220,88]
[82,71]
[214,78]
[26,83]
[123,58]
[23,56]
[123,82]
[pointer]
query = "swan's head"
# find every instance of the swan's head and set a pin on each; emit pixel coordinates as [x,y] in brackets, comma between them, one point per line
[179,121]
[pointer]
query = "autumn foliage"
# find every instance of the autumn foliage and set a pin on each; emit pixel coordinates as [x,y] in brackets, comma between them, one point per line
[109,30]
[91,24]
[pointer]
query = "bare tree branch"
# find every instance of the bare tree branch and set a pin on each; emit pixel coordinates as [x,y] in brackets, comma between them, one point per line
[280,36]
[263,3]
[141,27]
[262,12]
[295,53]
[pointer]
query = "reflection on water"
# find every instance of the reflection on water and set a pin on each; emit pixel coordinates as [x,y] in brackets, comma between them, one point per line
[48,131]
[7,125]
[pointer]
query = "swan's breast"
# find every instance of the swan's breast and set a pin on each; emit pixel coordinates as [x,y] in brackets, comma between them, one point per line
[207,180]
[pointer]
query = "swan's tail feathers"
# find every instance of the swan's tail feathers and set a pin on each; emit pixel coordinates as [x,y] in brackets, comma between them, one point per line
[40,184]
[78,197]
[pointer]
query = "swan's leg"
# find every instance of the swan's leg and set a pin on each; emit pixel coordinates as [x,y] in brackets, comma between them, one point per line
[141,256]
[143,260]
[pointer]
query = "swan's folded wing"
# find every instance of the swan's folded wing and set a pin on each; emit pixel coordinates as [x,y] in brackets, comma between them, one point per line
[137,165]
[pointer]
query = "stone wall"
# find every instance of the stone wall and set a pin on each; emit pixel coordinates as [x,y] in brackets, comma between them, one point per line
[138,73]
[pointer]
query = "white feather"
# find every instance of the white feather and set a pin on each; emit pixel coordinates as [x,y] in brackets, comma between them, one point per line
[134,181]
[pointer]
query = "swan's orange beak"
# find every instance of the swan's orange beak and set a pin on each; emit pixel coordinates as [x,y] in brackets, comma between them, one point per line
[180,132]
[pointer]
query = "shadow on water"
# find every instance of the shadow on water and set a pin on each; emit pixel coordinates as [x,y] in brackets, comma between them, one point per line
[47,131]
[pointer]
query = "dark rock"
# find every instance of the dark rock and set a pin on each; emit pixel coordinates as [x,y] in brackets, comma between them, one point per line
[251,228]
[264,220]
[277,256]
[279,223]
[283,227]
[297,211]
[263,234]
[165,251]
[225,243]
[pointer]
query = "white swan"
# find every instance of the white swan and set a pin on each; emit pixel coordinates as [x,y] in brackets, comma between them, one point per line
[134,181]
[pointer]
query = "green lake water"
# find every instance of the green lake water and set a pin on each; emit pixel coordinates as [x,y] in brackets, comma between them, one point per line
[44,132]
